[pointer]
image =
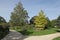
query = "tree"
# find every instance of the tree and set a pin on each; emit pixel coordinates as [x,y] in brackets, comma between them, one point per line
[32,20]
[53,22]
[4,27]
[58,18]
[40,21]
[19,17]
[58,22]
[48,25]
[2,20]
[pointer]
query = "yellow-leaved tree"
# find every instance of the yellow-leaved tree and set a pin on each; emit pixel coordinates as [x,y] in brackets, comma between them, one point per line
[40,21]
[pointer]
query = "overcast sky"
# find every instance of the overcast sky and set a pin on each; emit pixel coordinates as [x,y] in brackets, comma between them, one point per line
[33,7]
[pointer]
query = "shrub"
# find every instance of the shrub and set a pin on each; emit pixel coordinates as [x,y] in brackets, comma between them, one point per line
[26,29]
[4,29]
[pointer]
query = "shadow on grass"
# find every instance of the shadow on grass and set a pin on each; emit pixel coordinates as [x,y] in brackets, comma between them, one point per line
[25,32]
[58,30]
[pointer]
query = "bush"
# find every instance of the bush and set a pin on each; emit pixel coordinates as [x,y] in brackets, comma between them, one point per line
[4,30]
[25,30]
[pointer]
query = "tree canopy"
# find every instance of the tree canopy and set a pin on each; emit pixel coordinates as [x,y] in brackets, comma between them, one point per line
[58,22]
[40,20]
[2,20]
[19,16]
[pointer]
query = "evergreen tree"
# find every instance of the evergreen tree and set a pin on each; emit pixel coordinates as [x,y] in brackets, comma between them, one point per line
[48,25]
[58,22]
[2,20]
[40,20]
[32,20]
[19,17]
[53,22]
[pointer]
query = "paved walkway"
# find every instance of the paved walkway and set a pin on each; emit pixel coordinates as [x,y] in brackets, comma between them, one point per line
[44,37]
[13,35]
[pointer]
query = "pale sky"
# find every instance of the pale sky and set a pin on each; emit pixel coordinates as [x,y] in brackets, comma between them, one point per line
[33,7]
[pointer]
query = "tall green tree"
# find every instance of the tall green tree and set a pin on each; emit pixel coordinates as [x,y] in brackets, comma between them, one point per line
[58,22]
[53,22]
[48,25]
[19,17]
[40,20]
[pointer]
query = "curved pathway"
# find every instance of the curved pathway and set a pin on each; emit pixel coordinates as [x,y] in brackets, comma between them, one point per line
[13,35]
[44,37]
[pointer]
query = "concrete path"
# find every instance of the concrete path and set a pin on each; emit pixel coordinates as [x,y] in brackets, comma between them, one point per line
[44,37]
[13,35]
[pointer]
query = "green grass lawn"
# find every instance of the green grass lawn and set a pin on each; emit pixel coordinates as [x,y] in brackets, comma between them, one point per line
[41,32]
[58,38]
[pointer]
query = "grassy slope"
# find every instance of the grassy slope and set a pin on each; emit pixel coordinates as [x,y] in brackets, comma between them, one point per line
[43,32]
[58,38]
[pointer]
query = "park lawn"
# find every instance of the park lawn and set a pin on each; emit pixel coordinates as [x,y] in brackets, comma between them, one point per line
[58,38]
[43,32]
